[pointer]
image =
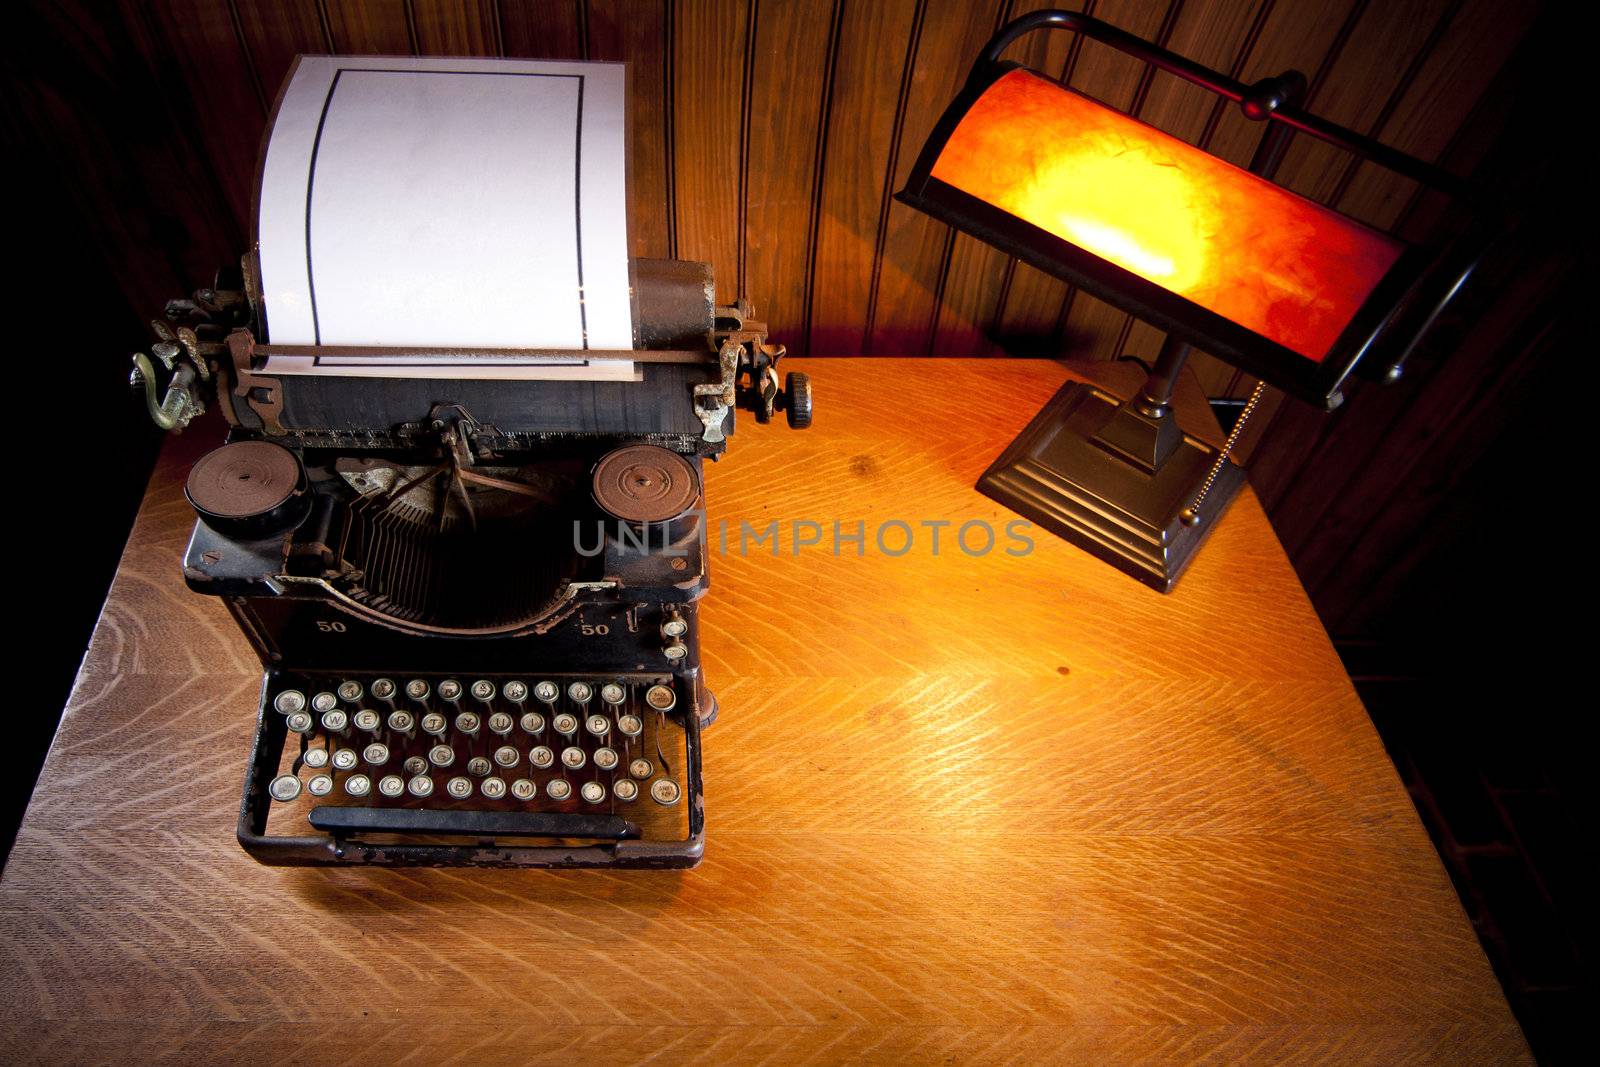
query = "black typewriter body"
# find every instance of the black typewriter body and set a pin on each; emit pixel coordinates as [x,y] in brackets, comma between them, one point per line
[476,603]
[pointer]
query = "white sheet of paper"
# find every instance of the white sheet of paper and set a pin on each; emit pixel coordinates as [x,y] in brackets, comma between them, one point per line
[448,203]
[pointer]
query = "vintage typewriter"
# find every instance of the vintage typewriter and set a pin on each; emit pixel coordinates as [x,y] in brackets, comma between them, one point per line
[475,601]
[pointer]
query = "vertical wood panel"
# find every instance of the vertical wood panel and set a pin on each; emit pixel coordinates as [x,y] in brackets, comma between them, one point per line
[456,27]
[872,55]
[636,33]
[370,27]
[543,29]
[915,249]
[710,57]
[275,33]
[792,60]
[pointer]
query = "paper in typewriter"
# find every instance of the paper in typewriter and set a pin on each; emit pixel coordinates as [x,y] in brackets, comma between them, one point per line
[447,203]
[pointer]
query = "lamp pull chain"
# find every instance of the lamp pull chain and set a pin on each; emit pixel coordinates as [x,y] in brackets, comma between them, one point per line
[1191,514]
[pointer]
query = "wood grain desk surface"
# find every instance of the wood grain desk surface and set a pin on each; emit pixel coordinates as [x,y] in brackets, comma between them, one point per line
[961,808]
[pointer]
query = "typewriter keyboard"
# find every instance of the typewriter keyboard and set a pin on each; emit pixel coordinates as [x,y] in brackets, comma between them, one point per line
[591,744]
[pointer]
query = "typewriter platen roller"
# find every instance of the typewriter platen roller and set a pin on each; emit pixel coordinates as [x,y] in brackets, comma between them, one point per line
[476,601]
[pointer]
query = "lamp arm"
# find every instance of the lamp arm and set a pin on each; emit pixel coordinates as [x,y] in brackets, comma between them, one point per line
[1260,101]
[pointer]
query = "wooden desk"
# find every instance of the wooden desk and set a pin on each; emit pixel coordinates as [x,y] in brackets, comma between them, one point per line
[960,808]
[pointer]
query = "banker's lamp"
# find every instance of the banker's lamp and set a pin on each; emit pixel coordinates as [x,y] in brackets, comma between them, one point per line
[1218,256]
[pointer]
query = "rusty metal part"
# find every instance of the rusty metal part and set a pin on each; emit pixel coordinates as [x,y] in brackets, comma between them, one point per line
[263,395]
[244,480]
[645,483]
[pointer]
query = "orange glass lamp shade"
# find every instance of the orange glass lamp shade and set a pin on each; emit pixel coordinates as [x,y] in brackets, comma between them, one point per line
[1214,234]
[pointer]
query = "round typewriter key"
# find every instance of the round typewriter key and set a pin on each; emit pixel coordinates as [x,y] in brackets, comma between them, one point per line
[573,757]
[383,689]
[661,697]
[565,724]
[367,719]
[335,721]
[675,651]
[479,766]
[467,723]
[402,722]
[415,765]
[345,759]
[450,689]
[417,689]
[664,791]
[640,768]
[631,725]
[493,788]
[533,723]
[391,785]
[625,789]
[284,788]
[324,702]
[376,754]
[441,755]
[501,723]
[506,756]
[516,692]
[483,689]
[593,792]
[546,692]
[435,724]
[420,786]
[523,789]
[674,628]
[358,785]
[290,701]
[459,787]
[558,789]
[300,722]
[320,785]
[541,757]
[316,758]
[579,692]
[613,693]
[350,692]
[605,758]
[598,725]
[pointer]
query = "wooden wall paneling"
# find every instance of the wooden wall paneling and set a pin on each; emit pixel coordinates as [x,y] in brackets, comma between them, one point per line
[1091,327]
[456,27]
[100,120]
[858,150]
[915,248]
[530,29]
[1474,46]
[273,34]
[370,27]
[710,86]
[206,74]
[791,65]
[638,34]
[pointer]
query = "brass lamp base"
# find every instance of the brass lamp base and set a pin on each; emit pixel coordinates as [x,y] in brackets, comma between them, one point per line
[1077,471]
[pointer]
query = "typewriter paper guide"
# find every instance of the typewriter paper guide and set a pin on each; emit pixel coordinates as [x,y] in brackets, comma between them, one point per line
[448,203]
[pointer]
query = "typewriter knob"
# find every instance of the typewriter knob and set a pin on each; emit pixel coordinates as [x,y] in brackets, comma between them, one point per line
[797,400]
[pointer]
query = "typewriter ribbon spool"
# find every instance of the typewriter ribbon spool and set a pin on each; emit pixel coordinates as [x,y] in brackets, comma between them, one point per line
[645,484]
[249,488]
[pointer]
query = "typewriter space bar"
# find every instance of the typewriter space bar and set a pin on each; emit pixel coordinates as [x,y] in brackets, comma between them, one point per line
[335,819]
